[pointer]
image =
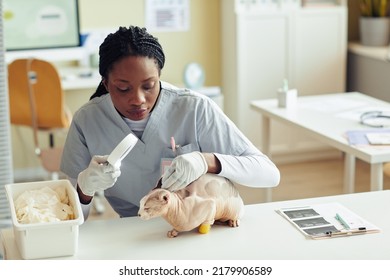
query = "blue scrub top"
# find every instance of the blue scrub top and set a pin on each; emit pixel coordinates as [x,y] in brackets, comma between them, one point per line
[193,119]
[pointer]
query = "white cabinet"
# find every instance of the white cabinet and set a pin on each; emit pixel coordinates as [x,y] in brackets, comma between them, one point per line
[319,44]
[369,70]
[261,47]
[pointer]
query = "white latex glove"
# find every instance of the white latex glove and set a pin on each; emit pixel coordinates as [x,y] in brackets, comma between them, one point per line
[184,170]
[98,176]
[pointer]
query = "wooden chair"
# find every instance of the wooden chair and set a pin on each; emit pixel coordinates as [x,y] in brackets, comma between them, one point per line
[36,100]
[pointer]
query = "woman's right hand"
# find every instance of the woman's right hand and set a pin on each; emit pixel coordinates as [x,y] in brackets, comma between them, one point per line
[98,176]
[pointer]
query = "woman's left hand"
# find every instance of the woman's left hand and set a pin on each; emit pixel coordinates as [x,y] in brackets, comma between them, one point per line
[184,170]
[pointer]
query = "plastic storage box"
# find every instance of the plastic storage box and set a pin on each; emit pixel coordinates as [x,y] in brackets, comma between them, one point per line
[46,239]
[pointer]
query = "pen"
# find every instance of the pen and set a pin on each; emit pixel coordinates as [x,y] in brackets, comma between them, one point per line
[174,146]
[342,221]
[349,222]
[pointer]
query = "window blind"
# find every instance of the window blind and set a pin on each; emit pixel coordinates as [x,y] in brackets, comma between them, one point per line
[6,170]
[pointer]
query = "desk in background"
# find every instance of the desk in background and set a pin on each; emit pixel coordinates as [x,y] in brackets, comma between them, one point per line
[79,78]
[262,234]
[84,78]
[326,118]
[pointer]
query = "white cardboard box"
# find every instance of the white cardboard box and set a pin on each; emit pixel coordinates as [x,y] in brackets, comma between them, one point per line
[46,239]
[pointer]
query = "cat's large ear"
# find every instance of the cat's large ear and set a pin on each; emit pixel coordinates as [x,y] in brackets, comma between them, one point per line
[164,197]
[159,184]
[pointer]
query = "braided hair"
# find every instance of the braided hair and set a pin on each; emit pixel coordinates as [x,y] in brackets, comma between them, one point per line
[132,41]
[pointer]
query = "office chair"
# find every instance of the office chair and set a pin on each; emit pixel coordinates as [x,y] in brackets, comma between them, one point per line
[36,100]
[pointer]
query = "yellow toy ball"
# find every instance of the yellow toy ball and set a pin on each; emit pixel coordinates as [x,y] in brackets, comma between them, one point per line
[204,228]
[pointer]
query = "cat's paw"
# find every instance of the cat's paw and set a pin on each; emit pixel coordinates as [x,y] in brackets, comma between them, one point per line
[233,223]
[172,233]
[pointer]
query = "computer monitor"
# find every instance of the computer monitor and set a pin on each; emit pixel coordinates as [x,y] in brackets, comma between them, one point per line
[40,24]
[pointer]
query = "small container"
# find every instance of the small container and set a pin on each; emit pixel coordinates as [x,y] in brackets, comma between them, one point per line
[287,98]
[46,239]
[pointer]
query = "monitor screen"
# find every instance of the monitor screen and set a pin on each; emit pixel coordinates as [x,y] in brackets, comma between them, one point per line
[40,24]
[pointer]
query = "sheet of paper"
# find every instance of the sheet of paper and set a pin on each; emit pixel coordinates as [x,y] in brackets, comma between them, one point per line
[340,105]
[167,15]
[378,138]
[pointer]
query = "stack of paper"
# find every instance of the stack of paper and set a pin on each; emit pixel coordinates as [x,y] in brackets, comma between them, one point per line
[368,137]
[327,220]
[378,138]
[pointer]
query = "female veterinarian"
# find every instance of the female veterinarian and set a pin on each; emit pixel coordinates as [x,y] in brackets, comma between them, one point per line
[131,98]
